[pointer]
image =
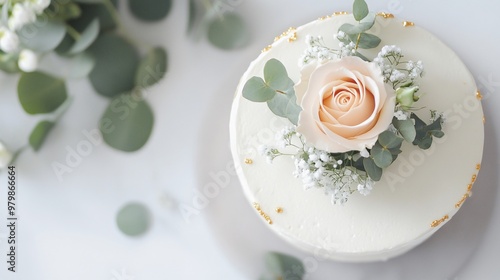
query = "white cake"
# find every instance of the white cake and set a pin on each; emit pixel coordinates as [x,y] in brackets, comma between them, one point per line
[416,196]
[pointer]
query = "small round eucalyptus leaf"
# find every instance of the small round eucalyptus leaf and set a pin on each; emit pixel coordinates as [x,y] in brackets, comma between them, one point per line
[127,123]
[42,36]
[39,134]
[116,62]
[228,31]
[88,36]
[40,93]
[133,219]
[150,10]
[152,68]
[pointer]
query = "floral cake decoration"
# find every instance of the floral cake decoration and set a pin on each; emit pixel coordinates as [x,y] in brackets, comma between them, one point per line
[349,114]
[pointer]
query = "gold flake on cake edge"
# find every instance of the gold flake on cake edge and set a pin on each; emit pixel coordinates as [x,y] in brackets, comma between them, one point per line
[291,32]
[479,96]
[248,161]
[279,210]
[436,223]
[340,13]
[385,15]
[408,23]
[262,213]
[468,192]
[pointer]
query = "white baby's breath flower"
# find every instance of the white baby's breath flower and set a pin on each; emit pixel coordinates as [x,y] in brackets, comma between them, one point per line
[28,61]
[364,153]
[22,14]
[5,156]
[9,42]
[400,115]
[39,5]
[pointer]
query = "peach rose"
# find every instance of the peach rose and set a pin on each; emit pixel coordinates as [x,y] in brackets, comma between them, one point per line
[345,105]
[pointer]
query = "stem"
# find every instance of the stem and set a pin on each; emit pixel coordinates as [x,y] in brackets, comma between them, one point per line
[357,42]
[120,29]
[280,91]
[73,32]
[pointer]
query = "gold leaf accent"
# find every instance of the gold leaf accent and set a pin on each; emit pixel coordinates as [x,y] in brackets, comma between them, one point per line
[478,166]
[325,17]
[461,201]
[291,32]
[474,177]
[484,119]
[267,48]
[248,161]
[262,213]
[279,210]
[340,13]
[469,187]
[436,223]
[408,23]
[385,15]
[479,96]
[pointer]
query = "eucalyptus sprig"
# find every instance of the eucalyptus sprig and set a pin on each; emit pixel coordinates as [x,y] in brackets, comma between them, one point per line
[87,39]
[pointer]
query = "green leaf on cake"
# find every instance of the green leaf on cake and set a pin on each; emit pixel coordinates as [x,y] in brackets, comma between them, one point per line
[389,140]
[424,132]
[87,37]
[127,123]
[152,68]
[366,41]
[40,93]
[285,105]
[276,76]
[382,156]
[39,134]
[281,266]
[42,36]
[406,128]
[150,10]
[363,26]
[256,90]
[372,169]
[360,9]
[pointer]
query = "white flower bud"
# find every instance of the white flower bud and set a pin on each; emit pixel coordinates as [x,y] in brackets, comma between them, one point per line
[8,40]
[28,61]
[40,5]
[22,14]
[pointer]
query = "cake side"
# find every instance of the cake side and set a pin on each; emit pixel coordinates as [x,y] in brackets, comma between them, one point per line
[418,193]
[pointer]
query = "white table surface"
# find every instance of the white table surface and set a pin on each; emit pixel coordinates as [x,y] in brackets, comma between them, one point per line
[67,228]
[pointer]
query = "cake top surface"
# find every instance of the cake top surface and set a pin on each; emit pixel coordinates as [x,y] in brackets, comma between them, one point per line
[419,192]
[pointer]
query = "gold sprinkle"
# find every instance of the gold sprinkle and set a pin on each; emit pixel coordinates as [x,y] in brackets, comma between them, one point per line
[479,96]
[248,161]
[469,187]
[323,18]
[340,13]
[484,119]
[478,166]
[408,23]
[440,221]
[385,15]
[279,210]
[267,48]
[459,203]
[474,177]
[262,213]
[290,31]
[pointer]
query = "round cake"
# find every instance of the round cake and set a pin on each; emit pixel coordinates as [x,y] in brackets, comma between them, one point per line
[415,196]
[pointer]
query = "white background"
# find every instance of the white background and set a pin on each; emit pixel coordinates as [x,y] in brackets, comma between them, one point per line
[67,228]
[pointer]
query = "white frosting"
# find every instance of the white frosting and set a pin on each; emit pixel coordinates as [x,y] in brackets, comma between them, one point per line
[419,188]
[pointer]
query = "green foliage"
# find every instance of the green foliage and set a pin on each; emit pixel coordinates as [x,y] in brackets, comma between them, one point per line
[92,10]
[133,219]
[374,171]
[366,41]
[40,93]
[406,128]
[8,63]
[42,36]
[39,134]
[359,9]
[281,266]
[152,68]
[88,36]
[228,31]
[150,10]
[127,123]
[276,89]
[116,65]
[424,132]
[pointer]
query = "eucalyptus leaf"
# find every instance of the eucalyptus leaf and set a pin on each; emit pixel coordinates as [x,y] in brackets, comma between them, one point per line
[65,45]
[381,156]
[86,38]
[406,128]
[152,68]
[116,65]
[127,123]
[42,36]
[360,9]
[92,10]
[352,29]
[424,133]
[366,41]
[39,134]
[389,140]
[69,67]
[228,31]
[255,89]
[372,169]
[284,105]
[40,93]
[276,76]
[8,63]
[281,266]
[150,10]
[133,219]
